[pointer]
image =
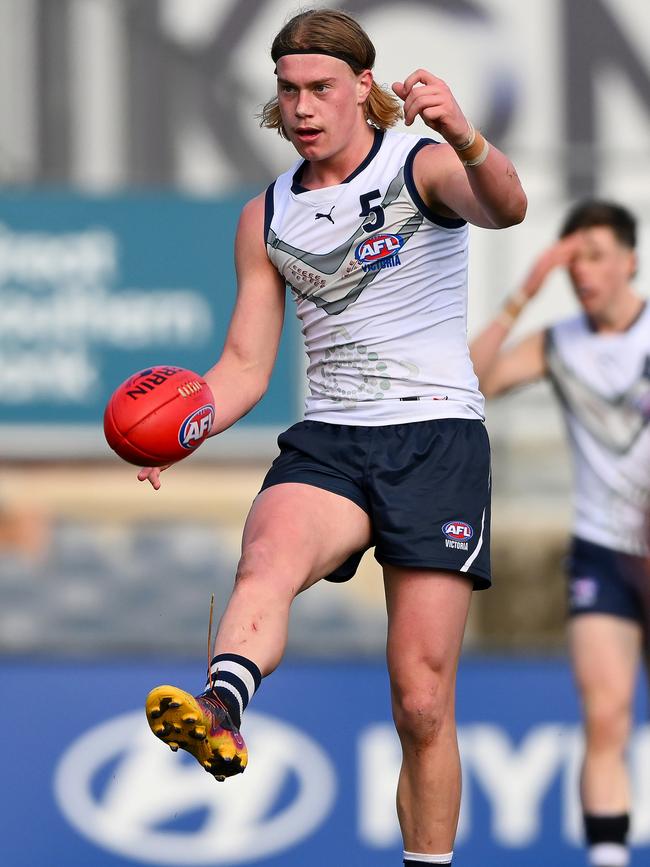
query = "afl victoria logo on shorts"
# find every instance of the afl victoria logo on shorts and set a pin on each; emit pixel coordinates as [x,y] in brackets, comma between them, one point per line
[458,534]
[380,251]
[584,592]
[196,427]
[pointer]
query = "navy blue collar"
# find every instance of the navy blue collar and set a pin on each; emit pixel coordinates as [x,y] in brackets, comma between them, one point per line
[296,186]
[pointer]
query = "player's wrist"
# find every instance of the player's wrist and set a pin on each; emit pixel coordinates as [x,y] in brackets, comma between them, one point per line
[468,140]
[474,148]
[512,308]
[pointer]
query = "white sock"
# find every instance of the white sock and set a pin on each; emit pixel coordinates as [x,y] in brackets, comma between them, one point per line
[418,858]
[609,855]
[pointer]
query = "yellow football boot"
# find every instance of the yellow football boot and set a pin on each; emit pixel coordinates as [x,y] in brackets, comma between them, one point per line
[199,724]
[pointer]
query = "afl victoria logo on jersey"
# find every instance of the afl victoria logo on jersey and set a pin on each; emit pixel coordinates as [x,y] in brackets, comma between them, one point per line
[379,251]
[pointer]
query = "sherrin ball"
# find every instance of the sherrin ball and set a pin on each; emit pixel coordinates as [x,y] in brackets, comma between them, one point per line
[159,416]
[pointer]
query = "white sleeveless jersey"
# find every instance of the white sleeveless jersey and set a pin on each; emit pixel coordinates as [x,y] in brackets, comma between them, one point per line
[603,382]
[380,284]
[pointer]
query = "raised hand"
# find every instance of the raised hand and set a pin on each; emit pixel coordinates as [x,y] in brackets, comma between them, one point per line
[558,255]
[430,98]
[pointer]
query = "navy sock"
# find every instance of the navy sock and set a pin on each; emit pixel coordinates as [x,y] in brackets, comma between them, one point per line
[607,840]
[235,680]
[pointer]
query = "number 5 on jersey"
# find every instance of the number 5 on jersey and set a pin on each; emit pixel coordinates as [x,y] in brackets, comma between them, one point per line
[376,212]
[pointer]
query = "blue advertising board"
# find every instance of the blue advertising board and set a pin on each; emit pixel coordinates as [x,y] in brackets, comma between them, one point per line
[95,289]
[87,785]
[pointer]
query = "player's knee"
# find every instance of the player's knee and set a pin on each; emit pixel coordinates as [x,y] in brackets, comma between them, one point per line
[259,572]
[607,724]
[255,564]
[422,711]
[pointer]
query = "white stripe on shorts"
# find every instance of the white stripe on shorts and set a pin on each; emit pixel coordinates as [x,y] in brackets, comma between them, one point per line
[474,553]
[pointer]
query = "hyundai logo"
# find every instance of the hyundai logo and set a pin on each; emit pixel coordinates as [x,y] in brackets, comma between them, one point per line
[118,786]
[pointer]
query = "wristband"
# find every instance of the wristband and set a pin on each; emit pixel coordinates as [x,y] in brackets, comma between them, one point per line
[469,141]
[482,156]
[516,303]
[474,150]
[505,319]
[512,308]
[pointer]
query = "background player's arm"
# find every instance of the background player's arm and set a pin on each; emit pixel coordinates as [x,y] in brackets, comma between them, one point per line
[241,375]
[499,371]
[489,194]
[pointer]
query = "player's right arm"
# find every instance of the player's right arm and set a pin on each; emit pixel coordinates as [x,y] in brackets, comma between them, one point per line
[241,376]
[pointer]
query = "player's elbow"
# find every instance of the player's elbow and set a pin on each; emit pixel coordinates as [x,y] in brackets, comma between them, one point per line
[261,383]
[254,381]
[487,390]
[514,209]
[489,386]
[250,373]
[520,207]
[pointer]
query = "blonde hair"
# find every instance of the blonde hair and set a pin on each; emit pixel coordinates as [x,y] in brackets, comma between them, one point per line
[332,32]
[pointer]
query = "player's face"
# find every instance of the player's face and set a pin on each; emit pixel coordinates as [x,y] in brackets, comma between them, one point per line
[601,270]
[321,103]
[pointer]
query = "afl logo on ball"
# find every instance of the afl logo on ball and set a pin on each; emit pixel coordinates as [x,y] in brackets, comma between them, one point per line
[380,251]
[459,531]
[196,427]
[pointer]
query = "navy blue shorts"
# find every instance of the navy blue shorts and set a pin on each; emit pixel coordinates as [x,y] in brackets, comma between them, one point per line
[425,486]
[605,581]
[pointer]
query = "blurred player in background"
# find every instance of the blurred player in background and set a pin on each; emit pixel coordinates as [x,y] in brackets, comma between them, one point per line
[599,365]
[369,230]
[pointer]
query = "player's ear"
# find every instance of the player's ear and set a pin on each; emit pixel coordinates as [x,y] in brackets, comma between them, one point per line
[634,264]
[364,85]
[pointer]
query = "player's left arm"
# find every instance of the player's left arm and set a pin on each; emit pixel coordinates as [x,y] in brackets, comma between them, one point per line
[468,177]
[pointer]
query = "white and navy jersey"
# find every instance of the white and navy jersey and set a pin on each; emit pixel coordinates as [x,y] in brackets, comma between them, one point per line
[603,382]
[380,284]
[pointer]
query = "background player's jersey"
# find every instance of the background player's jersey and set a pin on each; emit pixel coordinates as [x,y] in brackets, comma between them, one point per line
[603,381]
[380,284]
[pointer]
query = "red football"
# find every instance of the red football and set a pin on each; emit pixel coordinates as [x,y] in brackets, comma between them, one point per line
[159,416]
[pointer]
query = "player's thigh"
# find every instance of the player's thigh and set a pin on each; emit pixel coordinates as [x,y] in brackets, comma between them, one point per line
[303,532]
[427,611]
[430,496]
[605,652]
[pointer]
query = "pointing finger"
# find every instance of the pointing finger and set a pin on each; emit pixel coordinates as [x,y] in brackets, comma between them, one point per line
[420,76]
